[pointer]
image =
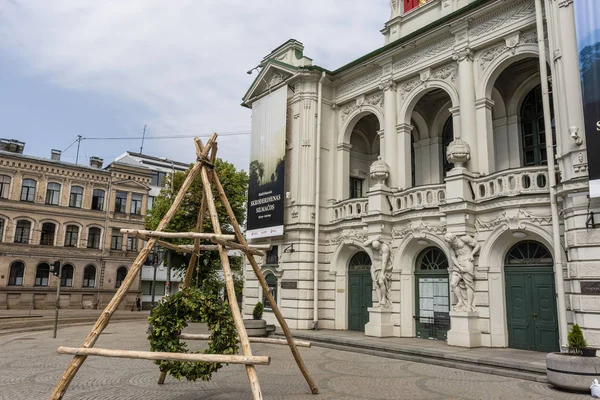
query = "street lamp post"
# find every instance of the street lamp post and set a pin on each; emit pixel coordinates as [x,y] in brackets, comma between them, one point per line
[157,259]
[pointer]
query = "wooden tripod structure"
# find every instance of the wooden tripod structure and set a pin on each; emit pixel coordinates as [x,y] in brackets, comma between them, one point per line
[206,155]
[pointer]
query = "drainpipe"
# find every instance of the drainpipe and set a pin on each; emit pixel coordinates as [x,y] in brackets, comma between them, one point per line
[558,268]
[315,324]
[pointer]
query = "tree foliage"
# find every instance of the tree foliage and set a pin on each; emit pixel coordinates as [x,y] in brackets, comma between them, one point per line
[235,184]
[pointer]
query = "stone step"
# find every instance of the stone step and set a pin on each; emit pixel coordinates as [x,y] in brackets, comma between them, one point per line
[430,356]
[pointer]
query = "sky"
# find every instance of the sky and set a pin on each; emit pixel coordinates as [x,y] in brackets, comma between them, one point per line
[105,69]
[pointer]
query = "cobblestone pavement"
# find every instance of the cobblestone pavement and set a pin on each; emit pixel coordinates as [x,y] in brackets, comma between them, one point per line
[30,367]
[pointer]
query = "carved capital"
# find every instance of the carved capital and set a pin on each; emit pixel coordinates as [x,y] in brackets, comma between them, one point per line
[463,54]
[387,85]
[404,128]
[344,146]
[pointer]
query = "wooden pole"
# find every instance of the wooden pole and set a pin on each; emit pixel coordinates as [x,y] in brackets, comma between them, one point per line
[206,336]
[178,235]
[196,248]
[235,311]
[286,330]
[157,355]
[67,377]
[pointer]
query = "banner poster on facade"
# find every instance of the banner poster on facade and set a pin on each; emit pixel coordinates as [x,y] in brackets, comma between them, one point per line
[267,166]
[587,16]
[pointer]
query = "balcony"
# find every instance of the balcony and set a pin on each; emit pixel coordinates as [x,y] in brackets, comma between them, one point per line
[418,198]
[528,180]
[350,209]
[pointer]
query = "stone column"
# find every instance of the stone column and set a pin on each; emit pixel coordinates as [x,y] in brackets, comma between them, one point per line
[570,89]
[390,156]
[403,156]
[343,171]
[466,93]
[485,140]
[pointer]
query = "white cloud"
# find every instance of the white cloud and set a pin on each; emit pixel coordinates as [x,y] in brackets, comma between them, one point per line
[184,59]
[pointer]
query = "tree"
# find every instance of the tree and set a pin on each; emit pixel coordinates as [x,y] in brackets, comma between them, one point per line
[235,184]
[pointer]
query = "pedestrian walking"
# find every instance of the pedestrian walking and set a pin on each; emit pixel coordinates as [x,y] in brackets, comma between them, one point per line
[138,303]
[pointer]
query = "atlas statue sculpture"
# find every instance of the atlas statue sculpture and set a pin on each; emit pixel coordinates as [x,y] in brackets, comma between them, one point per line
[463,251]
[381,272]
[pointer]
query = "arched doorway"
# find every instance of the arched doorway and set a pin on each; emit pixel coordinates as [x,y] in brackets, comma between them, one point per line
[360,291]
[432,292]
[531,298]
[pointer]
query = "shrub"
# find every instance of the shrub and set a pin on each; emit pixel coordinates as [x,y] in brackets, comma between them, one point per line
[576,340]
[258,311]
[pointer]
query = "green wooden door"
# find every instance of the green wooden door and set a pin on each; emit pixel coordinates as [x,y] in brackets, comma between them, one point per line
[531,298]
[360,298]
[531,309]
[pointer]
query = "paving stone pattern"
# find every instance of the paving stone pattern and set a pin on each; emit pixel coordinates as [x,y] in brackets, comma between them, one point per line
[30,367]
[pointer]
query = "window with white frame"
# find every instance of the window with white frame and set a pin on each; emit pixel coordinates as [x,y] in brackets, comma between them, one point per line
[4,186]
[71,236]
[28,190]
[76,197]
[53,194]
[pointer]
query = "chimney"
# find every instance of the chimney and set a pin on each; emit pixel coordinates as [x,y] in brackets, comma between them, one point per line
[96,162]
[12,145]
[55,154]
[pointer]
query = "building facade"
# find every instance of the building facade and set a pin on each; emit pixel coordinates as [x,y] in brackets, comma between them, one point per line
[53,210]
[156,281]
[442,130]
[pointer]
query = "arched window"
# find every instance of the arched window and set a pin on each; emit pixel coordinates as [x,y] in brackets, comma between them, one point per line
[71,236]
[432,259]
[360,262]
[17,270]
[53,194]
[42,274]
[121,274]
[529,253]
[47,237]
[28,190]
[89,276]
[22,231]
[272,283]
[66,275]
[76,197]
[98,200]
[4,186]
[93,241]
[533,132]
[447,138]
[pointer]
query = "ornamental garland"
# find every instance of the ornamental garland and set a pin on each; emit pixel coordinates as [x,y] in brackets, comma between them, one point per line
[171,316]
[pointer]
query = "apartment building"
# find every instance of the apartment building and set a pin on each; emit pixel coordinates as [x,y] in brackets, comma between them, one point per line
[53,210]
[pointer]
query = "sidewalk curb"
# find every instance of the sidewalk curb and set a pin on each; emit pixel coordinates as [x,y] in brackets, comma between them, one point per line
[492,367]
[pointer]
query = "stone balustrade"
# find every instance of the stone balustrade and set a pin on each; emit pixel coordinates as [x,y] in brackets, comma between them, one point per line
[350,209]
[419,197]
[513,182]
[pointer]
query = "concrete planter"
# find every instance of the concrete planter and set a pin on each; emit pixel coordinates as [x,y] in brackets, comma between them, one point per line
[256,327]
[572,372]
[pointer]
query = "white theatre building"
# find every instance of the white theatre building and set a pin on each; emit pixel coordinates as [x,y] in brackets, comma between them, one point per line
[441,130]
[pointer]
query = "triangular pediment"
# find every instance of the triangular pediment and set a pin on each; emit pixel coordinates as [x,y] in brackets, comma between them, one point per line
[131,183]
[272,76]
